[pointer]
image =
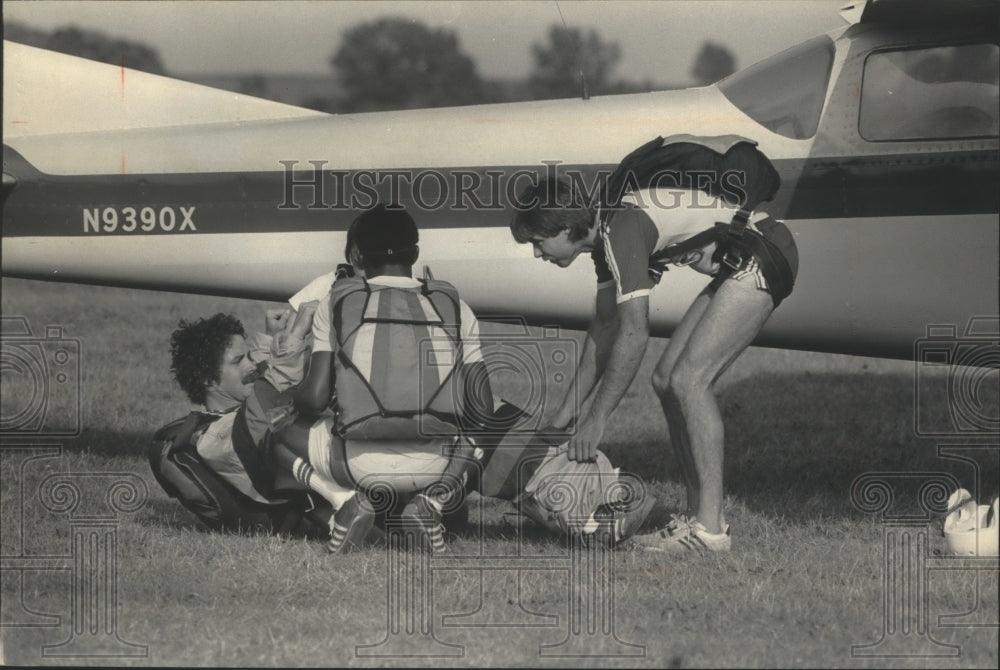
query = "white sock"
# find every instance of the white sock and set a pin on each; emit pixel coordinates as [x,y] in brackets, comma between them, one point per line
[700,527]
[336,494]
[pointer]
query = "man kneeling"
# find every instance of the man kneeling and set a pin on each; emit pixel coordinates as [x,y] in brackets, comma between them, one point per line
[396,368]
[406,411]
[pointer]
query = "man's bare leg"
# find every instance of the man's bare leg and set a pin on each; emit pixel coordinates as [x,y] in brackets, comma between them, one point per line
[729,324]
[676,424]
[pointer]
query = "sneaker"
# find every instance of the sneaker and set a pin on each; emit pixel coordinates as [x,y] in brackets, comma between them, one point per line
[421,514]
[679,523]
[694,539]
[619,520]
[351,524]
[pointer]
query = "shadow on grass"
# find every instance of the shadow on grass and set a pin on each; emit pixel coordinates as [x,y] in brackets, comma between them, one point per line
[168,513]
[107,442]
[796,443]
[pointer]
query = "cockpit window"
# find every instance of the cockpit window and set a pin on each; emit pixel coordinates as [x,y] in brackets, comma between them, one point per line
[940,93]
[785,93]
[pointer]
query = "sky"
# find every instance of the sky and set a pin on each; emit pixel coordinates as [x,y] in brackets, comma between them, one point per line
[659,39]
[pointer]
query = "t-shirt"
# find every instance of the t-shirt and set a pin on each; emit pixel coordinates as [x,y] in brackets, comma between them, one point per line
[471,346]
[652,220]
[314,290]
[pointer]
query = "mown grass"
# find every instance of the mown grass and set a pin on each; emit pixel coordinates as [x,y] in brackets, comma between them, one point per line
[804,583]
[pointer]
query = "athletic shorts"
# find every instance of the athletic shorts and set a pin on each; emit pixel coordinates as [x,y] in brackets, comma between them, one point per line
[406,467]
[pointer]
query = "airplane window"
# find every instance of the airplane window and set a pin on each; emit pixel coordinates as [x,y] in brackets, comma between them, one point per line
[785,93]
[922,94]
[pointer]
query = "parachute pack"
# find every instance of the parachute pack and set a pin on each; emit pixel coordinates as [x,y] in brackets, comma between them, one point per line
[529,467]
[729,167]
[177,467]
[398,364]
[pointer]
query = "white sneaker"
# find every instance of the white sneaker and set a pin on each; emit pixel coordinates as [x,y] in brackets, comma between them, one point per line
[694,538]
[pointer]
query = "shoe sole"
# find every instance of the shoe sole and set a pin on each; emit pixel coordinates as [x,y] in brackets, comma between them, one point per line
[691,546]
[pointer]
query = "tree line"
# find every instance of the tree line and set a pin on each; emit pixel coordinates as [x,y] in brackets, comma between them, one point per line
[398,63]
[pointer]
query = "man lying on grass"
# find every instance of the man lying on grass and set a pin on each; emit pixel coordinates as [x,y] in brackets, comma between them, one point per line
[214,460]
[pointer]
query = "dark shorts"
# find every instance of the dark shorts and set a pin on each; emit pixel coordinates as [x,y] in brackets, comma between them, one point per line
[772,257]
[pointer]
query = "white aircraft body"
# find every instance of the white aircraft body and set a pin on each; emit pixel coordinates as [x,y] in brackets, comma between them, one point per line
[884,132]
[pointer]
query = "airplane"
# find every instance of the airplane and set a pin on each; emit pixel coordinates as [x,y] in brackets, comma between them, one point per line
[884,132]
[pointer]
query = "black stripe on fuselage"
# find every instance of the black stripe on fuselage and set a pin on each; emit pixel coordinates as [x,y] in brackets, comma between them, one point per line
[944,183]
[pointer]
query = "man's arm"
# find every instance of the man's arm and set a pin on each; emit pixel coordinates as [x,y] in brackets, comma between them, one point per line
[313,395]
[265,410]
[478,397]
[477,391]
[288,346]
[594,358]
[622,364]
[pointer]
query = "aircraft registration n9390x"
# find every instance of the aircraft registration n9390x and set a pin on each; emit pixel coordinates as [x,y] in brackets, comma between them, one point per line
[884,132]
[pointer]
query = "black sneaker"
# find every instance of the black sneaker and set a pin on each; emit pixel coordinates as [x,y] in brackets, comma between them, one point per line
[350,524]
[618,521]
[419,514]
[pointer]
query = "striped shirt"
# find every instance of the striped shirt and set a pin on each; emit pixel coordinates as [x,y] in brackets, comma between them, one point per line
[652,220]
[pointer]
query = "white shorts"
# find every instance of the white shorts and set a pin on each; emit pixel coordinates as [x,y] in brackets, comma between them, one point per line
[406,467]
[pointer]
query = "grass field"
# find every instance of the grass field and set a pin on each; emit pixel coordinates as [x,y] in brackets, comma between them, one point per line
[816,572]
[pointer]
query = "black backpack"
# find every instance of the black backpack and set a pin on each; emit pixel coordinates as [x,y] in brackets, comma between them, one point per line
[727,166]
[184,475]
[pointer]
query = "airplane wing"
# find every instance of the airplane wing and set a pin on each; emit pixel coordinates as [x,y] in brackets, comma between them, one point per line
[47,93]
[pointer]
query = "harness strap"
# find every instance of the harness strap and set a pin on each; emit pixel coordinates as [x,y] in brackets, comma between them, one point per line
[338,460]
[727,237]
[173,439]
[732,253]
[739,222]
[674,252]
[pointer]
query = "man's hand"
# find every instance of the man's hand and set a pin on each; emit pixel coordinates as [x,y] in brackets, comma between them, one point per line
[276,320]
[304,318]
[586,438]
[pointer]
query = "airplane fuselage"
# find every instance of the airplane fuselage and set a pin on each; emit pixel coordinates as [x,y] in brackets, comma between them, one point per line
[894,234]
